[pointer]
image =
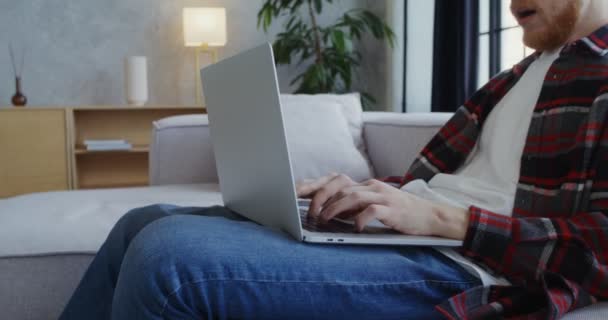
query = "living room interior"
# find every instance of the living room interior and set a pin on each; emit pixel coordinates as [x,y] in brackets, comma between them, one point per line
[102,108]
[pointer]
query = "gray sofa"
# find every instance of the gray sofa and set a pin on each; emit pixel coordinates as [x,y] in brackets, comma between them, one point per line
[48,239]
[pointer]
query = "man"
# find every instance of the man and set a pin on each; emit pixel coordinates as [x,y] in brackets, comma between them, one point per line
[518,173]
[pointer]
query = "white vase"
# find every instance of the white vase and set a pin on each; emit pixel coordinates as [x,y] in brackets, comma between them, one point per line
[136,80]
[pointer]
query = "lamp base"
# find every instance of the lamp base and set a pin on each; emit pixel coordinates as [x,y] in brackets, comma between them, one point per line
[203,49]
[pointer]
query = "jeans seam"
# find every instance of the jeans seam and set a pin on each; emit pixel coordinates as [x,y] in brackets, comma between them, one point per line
[336,283]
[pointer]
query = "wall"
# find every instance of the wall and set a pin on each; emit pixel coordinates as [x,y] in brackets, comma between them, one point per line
[75,49]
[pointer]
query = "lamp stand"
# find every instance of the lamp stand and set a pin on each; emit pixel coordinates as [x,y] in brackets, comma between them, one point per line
[204,48]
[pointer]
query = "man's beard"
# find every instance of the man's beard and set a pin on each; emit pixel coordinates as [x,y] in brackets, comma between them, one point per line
[559,28]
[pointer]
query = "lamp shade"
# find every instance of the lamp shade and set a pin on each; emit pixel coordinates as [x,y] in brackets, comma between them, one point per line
[204,26]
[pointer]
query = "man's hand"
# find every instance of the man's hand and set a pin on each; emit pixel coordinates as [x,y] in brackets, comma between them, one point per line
[322,189]
[338,195]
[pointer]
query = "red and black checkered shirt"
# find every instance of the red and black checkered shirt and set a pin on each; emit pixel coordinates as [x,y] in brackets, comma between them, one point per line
[554,248]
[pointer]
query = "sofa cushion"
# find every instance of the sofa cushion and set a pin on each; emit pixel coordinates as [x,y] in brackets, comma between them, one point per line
[79,221]
[319,139]
[393,140]
[350,106]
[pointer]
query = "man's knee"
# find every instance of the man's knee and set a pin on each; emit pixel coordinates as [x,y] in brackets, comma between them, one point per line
[151,242]
[136,219]
[158,257]
[178,241]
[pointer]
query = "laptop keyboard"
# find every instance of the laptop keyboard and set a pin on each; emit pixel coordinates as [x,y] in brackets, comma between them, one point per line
[334,226]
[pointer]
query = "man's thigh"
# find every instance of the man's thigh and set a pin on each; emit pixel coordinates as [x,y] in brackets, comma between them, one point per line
[136,219]
[220,268]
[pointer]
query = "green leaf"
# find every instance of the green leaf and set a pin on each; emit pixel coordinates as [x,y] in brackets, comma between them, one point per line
[293,5]
[318,6]
[337,38]
[367,101]
[262,15]
[267,20]
[296,79]
[290,23]
[390,35]
[346,74]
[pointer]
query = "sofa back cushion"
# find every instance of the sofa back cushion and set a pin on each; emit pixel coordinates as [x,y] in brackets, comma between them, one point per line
[322,139]
[350,106]
[324,135]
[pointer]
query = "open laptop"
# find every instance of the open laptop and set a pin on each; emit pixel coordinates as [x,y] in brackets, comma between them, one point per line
[251,153]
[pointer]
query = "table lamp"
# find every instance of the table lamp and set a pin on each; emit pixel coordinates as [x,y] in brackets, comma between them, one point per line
[204,29]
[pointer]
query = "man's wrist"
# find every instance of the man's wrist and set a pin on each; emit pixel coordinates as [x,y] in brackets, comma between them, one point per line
[451,222]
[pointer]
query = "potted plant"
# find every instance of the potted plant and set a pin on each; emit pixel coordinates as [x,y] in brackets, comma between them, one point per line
[328,50]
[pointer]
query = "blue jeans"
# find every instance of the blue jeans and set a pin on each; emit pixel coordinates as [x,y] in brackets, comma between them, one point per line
[168,262]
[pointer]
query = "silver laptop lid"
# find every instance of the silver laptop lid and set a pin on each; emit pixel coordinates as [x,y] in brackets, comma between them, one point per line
[248,136]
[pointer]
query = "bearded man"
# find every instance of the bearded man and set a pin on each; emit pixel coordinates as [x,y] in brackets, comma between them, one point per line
[519,173]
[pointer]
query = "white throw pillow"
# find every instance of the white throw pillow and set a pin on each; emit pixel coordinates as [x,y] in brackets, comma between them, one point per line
[350,105]
[320,138]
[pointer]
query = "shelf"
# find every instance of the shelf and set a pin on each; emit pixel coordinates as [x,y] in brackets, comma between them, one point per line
[132,184]
[195,109]
[115,168]
[136,149]
[112,169]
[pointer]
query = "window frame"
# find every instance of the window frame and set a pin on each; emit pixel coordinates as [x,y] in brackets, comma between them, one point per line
[494,33]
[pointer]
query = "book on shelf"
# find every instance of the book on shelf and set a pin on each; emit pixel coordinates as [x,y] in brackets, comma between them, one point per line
[105,141]
[107,145]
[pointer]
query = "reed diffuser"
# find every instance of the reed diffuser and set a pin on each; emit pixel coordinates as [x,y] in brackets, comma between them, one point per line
[19,99]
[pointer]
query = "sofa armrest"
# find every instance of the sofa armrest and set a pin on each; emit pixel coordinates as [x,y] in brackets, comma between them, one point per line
[393,140]
[181,151]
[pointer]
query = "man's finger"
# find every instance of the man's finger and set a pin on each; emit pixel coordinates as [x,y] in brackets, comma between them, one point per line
[303,186]
[347,215]
[373,211]
[310,186]
[355,201]
[347,191]
[327,191]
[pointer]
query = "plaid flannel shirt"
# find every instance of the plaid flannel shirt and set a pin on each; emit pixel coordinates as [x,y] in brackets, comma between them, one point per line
[554,248]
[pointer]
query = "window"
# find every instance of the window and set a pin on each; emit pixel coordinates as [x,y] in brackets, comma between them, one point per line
[500,39]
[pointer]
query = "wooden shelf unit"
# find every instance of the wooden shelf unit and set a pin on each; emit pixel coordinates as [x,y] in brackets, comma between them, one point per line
[42,148]
[34,151]
[135,149]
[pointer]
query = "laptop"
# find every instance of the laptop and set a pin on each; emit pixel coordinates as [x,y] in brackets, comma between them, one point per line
[252,158]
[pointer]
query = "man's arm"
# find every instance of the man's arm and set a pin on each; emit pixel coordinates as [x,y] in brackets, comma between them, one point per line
[567,255]
[528,249]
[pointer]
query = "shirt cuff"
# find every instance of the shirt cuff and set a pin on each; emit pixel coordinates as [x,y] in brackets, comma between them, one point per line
[488,237]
